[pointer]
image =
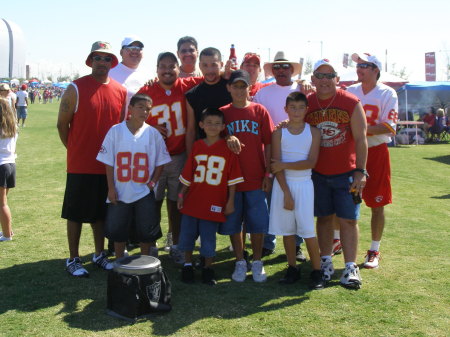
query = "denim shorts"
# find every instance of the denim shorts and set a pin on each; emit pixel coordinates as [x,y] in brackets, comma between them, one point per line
[22,112]
[144,214]
[191,228]
[251,208]
[332,196]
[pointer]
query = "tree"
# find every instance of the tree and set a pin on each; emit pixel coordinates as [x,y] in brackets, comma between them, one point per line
[402,73]
[308,67]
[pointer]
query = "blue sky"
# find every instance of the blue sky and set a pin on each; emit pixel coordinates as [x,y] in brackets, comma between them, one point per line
[59,34]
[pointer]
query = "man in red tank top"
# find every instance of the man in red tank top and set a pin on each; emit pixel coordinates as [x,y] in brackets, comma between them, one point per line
[90,106]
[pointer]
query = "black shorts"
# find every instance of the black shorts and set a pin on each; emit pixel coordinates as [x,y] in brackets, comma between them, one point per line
[8,175]
[85,198]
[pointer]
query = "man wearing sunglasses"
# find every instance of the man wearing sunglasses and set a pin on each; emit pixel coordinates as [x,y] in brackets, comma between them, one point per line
[380,104]
[187,51]
[90,106]
[340,172]
[128,73]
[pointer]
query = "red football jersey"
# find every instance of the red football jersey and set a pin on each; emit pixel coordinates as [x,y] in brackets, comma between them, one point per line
[208,172]
[169,107]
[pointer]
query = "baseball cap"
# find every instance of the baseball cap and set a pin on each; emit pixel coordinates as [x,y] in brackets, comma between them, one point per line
[102,47]
[4,86]
[323,62]
[166,54]
[23,87]
[366,57]
[130,39]
[252,57]
[239,75]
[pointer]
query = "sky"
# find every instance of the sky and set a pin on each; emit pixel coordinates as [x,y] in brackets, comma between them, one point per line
[59,34]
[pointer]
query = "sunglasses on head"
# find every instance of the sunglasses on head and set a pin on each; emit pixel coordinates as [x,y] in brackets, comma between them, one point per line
[281,66]
[328,76]
[98,58]
[365,65]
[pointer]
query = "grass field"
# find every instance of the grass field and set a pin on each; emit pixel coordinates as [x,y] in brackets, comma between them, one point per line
[407,296]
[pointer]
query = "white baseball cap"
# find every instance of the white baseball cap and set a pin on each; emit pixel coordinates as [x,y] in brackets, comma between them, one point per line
[130,39]
[366,57]
[324,62]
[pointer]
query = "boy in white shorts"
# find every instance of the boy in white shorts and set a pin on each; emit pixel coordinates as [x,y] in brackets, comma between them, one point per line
[295,149]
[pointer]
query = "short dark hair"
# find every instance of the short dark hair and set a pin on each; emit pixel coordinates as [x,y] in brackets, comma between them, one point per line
[140,97]
[211,51]
[211,112]
[166,54]
[296,97]
[188,39]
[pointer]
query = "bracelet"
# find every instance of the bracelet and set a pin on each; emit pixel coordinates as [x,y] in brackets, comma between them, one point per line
[151,184]
[363,171]
[180,195]
[268,175]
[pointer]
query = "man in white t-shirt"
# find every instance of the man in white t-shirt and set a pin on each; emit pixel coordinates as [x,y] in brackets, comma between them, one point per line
[21,104]
[380,104]
[128,72]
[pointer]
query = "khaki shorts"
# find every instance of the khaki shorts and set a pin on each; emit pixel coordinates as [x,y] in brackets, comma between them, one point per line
[170,178]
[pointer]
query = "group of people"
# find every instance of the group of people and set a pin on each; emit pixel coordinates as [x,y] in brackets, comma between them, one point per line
[218,141]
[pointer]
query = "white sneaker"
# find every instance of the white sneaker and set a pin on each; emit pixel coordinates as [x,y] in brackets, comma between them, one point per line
[102,261]
[351,278]
[5,238]
[176,255]
[326,265]
[372,259]
[75,268]
[258,272]
[168,243]
[240,271]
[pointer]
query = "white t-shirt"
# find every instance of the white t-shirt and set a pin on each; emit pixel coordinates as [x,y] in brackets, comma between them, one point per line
[21,95]
[134,158]
[273,97]
[131,79]
[381,107]
[8,150]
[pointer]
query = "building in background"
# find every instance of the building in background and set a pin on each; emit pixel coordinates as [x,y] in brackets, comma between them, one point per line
[12,50]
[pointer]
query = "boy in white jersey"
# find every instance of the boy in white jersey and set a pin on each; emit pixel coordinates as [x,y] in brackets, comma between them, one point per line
[134,154]
[295,150]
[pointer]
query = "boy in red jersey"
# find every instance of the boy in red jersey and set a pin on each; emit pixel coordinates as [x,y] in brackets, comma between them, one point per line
[211,170]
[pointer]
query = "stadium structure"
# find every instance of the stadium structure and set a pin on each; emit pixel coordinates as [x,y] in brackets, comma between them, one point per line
[12,50]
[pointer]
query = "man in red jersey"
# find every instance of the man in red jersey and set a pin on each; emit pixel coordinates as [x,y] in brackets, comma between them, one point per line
[91,105]
[340,172]
[170,116]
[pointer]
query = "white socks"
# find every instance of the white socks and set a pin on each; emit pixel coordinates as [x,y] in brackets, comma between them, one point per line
[375,246]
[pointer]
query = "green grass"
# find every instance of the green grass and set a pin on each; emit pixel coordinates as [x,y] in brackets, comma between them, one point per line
[407,296]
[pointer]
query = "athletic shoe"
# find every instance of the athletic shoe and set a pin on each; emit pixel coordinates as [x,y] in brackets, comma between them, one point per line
[208,276]
[187,274]
[292,275]
[258,272]
[317,281]
[372,259]
[176,255]
[75,268]
[326,265]
[299,254]
[102,261]
[12,234]
[350,277]
[247,260]
[168,243]
[337,247]
[5,238]
[240,271]
[267,252]
[153,252]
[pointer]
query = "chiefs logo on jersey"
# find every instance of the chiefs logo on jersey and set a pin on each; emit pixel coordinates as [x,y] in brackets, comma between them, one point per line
[329,130]
[103,149]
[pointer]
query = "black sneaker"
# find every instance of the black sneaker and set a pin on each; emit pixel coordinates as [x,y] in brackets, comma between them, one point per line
[267,252]
[187,274]
[317,281]
[292,275]
[208,276]
[299,254]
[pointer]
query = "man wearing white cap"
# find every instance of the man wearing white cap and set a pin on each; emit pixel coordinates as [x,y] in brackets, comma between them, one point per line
[90,106]
[380,104]
[340,172]
[128,72]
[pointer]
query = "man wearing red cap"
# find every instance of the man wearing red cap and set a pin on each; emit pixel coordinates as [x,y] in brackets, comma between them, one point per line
[21,104]
[91,105]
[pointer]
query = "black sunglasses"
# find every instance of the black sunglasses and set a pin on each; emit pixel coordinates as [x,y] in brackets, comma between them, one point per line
[281,66]
[365,65]
[98,58]
[328,76]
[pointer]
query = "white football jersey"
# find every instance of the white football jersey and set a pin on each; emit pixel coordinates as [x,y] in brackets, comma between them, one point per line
[134,158]
[381,107]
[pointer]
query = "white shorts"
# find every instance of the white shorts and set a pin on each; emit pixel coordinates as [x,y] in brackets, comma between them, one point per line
[299,221]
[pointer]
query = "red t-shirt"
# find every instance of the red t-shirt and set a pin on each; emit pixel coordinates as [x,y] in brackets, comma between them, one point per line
[253,126]
[337,147]
[169,106]
[208,172]
[99,108]
[257,86]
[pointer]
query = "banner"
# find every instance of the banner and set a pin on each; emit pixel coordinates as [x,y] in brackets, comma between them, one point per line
[430,66]
[345,61]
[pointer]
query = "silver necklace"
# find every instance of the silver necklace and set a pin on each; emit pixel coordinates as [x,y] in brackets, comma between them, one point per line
[324,111]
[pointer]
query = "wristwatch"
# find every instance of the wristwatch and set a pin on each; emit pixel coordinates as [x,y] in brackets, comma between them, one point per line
[363,171]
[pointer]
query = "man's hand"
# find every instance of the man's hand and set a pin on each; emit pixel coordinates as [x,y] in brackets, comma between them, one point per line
[234,144]
[267,184]
[162,129]
[150,82]
[306,87]
[359,182]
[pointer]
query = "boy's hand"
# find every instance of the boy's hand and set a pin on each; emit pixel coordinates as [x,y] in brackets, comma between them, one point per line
[288,201]
[180,202]
[305,87]
[112,195]
[267,184]
[282,124]
[234,144]
[229,208]
[276,166]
